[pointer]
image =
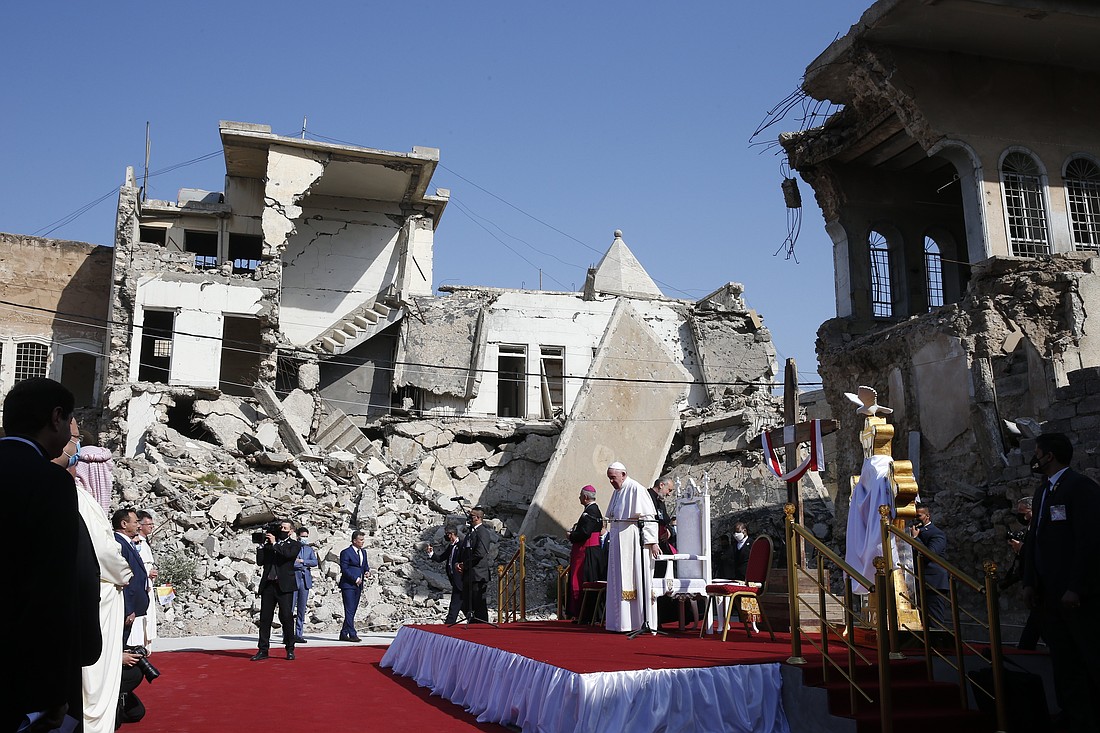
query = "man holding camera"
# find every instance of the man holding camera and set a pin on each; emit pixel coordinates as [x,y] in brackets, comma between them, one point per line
[278,584]
[475,568]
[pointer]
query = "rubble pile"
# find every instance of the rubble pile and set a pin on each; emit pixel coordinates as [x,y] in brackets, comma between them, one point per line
[210,498]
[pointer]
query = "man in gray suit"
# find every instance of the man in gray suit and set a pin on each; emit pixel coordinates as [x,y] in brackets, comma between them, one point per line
[307,558]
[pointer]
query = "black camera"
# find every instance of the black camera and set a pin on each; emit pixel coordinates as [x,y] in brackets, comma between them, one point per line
[275,528]
[147,669]
[1017,534]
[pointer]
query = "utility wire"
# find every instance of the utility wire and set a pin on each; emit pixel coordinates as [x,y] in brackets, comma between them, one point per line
[239,346]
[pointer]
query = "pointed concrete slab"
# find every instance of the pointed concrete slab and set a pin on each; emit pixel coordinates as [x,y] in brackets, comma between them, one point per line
[629,413]
[620,273]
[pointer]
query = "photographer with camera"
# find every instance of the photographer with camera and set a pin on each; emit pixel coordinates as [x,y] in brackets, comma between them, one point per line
[135,668]
[278,583]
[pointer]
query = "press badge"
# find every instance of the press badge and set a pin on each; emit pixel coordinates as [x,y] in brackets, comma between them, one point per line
[1058,513]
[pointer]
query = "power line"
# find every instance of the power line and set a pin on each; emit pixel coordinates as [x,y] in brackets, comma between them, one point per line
[293,352]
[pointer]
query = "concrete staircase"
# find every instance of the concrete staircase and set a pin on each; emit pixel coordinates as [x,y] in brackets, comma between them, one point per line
[357,327]
[337,431]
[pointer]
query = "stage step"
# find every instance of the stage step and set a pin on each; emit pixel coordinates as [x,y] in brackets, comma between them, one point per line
[919,705]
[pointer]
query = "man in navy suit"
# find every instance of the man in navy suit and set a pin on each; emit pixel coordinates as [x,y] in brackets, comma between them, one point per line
[353,570]
[134,596]
[1062,579]
[307,558]
[277,585]
[51,599]
[935,576]
[451,554]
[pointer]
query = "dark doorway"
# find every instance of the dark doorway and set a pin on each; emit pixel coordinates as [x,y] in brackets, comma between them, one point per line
[156,346]
[240,361]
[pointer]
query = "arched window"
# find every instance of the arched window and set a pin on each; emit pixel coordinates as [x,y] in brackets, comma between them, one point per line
[1082,179]
[882,302]
[933,272]
[1025,210]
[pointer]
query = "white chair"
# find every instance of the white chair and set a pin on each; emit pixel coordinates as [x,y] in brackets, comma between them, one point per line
[688,572]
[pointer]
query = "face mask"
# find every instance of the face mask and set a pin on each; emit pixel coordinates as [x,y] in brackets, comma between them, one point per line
[75,457]
[1037,466]
[738,536]
[304,540]
[1022,519]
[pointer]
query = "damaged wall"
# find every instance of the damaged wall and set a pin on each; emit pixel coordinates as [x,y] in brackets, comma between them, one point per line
[620,415]
[59,295]
[954,375]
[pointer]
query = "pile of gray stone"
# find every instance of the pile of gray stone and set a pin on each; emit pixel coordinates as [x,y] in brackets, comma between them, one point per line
[209,495]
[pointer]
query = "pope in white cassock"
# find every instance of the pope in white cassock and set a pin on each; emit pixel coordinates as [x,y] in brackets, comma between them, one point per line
[626,607]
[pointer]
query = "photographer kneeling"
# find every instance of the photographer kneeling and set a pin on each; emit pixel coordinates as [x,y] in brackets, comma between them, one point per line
[135,668]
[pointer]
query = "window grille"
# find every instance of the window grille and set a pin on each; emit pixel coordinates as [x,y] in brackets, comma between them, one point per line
[1083,193]
[162,348]
[933,270]
[882,305]
[30,360]
[1024,206]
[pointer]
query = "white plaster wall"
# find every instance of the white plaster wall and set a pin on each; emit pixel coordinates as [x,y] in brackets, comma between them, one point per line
[200,308]
[675,335]
[418,269]
[140,414]
[542,319]
[335,261]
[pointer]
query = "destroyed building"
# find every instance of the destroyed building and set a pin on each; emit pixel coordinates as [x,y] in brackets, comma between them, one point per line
[959,180]
[55,309]
[276,349]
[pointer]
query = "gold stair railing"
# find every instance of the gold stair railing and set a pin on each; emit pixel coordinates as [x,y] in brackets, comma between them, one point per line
[562,583]
[512,586]
[956,578]
[846,633]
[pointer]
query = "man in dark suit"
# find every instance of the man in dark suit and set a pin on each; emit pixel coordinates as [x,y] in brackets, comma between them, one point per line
[135,597]
[1062,579]
[475,568]
[278,582]
[935,576]
[51,603]
[353,571]
[450,554]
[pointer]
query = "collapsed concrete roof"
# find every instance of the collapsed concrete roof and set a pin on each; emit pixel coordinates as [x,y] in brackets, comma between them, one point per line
[1056,34]
[620,273]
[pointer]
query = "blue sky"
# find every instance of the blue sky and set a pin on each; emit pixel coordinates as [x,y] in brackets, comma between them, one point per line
[574,118]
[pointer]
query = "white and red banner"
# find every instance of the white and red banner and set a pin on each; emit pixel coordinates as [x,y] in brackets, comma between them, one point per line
[814,462]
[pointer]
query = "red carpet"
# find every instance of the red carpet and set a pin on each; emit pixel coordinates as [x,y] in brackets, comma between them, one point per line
[568,646]
[324,689]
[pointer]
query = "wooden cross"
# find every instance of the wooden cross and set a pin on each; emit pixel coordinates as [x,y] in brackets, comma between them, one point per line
[801,434]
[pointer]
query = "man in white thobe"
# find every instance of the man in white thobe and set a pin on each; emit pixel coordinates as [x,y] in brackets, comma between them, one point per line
[101,681]
[627,607]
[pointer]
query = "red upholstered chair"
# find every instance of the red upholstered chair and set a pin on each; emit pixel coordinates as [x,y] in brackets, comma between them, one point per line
[754,586]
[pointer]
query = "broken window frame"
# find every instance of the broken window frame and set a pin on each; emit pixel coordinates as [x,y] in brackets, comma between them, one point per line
[203,259]
[85,390]
[244,265]
[512,382]
[151,336]
[552,381]
[161,240]
[32,359]
[1081,176]
[881,285]
[1023,195]
[933,272]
